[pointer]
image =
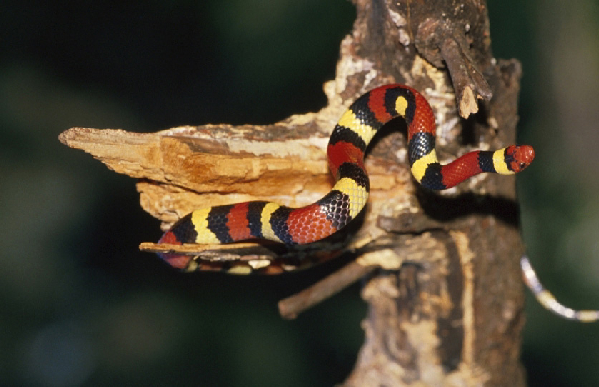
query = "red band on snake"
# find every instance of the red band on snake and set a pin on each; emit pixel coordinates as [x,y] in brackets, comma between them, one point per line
[347,145]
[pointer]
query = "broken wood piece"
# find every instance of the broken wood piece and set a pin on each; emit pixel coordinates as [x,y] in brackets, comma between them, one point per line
[444,43]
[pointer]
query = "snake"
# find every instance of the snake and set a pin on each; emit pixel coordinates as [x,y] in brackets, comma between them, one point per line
[349,195]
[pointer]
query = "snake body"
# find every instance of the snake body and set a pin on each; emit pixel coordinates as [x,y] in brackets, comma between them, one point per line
[345,151]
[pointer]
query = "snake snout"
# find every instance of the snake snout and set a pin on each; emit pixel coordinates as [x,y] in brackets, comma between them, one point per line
[523,155]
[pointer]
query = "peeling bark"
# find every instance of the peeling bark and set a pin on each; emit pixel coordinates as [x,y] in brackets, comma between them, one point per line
[443,282]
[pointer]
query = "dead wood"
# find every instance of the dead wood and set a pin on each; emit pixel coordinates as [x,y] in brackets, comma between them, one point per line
[444,291]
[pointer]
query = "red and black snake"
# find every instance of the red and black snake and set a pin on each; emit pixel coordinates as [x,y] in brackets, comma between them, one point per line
[345,151]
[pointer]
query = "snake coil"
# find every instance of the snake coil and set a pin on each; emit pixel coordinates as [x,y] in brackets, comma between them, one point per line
[345,151]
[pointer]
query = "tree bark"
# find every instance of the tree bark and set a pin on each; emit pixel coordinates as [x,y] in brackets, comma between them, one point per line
[444,290]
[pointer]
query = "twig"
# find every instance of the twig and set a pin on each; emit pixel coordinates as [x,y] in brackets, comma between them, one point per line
[191,248]
[291,307]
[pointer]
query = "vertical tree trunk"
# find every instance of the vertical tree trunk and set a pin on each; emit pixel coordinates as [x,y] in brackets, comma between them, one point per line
[454,316]
[446,306]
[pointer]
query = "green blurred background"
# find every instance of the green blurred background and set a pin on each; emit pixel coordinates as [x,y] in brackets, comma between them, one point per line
[81,306]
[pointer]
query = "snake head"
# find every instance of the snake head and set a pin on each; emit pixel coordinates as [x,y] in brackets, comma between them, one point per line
[518,157]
